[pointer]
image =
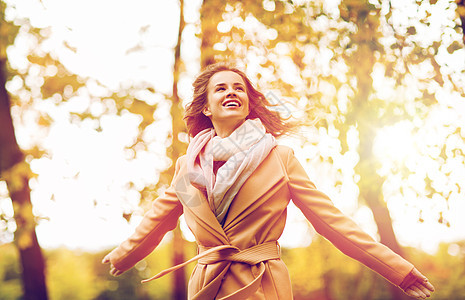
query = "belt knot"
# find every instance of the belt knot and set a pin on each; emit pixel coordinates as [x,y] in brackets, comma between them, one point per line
[209,255]
[251,256]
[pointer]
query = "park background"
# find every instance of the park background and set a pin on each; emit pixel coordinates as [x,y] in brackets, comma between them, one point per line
[91,103]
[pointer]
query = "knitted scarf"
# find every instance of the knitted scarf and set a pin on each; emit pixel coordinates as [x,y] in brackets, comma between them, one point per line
[241,153]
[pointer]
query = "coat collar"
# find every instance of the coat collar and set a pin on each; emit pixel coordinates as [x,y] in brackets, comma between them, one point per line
[270,173]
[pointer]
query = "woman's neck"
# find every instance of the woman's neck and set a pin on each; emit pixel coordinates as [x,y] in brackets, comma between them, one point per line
[225,130]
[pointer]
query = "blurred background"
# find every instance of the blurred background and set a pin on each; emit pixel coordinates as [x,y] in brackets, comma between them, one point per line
[91,104]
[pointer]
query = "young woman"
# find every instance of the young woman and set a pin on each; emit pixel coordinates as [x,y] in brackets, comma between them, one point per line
[233,186]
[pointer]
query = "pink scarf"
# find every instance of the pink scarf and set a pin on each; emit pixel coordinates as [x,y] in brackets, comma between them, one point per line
[242,152]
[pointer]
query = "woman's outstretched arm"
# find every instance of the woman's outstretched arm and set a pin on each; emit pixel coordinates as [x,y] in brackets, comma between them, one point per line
[348,237]
[161,218]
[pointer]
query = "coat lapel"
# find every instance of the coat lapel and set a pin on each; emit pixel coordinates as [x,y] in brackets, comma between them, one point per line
[195,202]
[269,175]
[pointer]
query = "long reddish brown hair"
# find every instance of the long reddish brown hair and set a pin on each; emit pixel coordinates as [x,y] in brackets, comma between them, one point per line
[196,121]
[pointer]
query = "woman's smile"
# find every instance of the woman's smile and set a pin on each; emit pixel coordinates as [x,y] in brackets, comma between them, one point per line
[232,103]
[227,102]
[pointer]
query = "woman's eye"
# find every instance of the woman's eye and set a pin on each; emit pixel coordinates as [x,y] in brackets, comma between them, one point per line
[239,89]
[220,89]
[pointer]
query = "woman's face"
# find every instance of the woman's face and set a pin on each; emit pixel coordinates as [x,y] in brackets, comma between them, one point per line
[227,100]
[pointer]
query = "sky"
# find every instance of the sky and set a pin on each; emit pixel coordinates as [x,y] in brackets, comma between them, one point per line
[86,165]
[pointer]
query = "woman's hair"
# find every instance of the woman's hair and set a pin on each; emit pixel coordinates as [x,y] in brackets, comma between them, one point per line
[196,121]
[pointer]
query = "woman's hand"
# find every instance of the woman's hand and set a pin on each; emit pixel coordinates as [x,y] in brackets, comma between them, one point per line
[113,270]
[419,287]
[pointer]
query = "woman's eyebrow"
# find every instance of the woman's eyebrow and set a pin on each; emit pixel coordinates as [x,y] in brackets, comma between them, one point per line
[235,83]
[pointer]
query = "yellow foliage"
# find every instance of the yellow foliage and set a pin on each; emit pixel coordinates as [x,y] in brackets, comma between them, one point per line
[44,120]
[70,276]
[319,271]
[316,272]
[461,10]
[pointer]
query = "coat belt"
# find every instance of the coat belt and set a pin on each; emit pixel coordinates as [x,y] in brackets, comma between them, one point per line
[254,255]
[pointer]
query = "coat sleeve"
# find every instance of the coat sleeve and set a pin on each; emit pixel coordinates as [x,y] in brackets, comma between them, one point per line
[339,229]
[161,218]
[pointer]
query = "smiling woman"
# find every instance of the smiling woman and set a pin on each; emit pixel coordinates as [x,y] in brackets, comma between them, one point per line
[233,187]
[228,103]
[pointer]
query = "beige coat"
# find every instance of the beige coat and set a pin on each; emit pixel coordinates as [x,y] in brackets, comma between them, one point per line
[232,268]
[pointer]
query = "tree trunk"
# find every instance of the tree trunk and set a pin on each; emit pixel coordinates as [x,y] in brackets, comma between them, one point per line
[371,191]
[177,147]
[32,260]
[383,221]
[365,113]
[180,286]
[17,180]
[10,154]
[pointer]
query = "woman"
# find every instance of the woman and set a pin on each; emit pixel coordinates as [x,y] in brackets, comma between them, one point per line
[233,186]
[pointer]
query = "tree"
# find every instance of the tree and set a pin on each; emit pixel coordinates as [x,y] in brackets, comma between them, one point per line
[54,83]
[15,172]
[177,148]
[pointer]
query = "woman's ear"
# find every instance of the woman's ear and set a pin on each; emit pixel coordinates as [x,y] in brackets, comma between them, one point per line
[206,111]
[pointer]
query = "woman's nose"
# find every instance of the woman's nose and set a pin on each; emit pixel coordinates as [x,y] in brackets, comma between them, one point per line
[231,92]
